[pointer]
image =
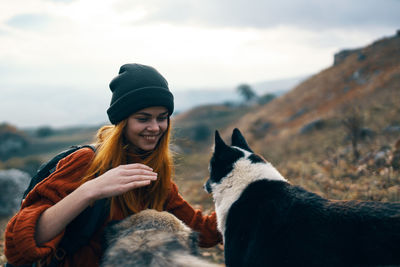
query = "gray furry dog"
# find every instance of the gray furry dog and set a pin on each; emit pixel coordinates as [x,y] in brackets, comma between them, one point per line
[152,238]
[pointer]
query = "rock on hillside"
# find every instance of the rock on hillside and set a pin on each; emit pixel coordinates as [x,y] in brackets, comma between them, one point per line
[13,183]
[358,77]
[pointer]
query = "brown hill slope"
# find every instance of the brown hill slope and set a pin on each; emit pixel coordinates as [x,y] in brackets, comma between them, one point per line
[367,77]
[194,129]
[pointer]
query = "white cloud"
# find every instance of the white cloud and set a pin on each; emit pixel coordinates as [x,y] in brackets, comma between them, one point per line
[312,14]
[86,39]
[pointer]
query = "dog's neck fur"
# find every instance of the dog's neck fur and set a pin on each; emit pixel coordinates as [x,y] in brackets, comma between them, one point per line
[232,185]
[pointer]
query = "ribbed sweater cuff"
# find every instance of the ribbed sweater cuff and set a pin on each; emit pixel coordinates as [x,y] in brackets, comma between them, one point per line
[21,240]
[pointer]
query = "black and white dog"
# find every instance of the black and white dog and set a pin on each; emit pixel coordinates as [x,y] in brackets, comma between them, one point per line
[266,221]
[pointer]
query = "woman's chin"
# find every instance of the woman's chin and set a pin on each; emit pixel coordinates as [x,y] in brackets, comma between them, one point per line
[148,147]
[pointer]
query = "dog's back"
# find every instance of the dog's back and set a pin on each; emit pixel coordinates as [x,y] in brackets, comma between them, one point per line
[152,238]
[276,224]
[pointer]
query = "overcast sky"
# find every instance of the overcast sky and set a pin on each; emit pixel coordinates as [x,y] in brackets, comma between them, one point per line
[54,46]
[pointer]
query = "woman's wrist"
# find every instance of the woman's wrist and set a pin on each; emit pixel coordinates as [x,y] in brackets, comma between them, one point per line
[88,191]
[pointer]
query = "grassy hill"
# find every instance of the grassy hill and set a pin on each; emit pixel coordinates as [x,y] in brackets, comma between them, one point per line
[194,129]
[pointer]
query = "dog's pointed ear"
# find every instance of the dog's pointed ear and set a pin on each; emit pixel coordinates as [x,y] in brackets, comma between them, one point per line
[219,143]
[239,141]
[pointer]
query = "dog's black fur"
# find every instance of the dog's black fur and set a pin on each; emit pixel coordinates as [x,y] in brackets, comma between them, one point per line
[273,223]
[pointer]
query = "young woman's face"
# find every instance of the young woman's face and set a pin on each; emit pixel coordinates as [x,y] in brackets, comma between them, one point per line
[145,127]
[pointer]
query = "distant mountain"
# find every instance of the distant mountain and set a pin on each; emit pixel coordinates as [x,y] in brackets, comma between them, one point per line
[367,78]
[190,98]
[277,87]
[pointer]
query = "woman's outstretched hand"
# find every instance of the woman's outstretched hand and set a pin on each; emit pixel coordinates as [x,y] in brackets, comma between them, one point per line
[121,179]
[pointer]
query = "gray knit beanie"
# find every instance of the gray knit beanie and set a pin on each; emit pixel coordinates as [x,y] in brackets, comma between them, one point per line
[137,87]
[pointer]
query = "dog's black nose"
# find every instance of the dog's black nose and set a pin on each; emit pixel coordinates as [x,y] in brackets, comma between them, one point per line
[207,187]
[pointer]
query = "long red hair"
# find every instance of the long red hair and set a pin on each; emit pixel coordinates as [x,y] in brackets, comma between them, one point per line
[112,151]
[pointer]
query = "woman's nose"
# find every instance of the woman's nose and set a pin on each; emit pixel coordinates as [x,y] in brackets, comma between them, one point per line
[153,126]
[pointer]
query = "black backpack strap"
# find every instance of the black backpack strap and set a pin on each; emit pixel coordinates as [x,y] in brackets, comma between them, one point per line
[49,167]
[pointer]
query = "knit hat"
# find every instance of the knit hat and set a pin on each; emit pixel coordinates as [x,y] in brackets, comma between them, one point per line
[137,87]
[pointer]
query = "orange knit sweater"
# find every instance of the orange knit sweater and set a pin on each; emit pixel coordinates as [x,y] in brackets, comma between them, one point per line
[20,245]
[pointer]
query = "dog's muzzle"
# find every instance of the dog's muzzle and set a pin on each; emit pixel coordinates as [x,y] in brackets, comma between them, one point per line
[207,187]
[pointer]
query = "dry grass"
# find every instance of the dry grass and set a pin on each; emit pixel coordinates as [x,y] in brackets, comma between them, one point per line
[345,181]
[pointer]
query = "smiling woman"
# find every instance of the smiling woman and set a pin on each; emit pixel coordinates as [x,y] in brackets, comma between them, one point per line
[133,168]
[145,127]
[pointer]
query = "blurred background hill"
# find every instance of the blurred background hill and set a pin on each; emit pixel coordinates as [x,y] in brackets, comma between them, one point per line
[336,132]
[367,78]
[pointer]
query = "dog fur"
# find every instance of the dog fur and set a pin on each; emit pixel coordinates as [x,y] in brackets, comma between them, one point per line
[152,238]
[266,221]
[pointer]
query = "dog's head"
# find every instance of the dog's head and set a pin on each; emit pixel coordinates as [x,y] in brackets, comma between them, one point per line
[226,158]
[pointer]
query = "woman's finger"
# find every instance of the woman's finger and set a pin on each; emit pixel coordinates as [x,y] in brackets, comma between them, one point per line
[133,178]
[138,184]
[137,166]
[130,172]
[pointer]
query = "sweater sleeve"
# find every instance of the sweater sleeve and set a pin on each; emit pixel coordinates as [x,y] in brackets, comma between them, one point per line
[206,225]
[20,244]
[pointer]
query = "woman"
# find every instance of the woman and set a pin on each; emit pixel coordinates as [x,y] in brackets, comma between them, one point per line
[132,166]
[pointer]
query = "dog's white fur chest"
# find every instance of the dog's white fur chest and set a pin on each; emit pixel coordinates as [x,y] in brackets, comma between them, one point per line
[232,185]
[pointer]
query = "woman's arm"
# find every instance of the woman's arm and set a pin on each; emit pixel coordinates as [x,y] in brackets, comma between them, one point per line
[114,182]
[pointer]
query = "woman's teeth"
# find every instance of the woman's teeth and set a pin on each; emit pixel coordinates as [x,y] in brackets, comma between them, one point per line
[150,137]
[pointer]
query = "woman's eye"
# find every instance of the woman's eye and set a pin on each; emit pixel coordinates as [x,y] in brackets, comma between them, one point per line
[141,119]
[162,118]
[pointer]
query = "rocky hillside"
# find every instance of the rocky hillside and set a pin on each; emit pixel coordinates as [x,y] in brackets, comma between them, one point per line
[367,78]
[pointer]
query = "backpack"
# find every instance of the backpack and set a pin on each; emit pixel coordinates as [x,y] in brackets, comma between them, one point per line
[80,230]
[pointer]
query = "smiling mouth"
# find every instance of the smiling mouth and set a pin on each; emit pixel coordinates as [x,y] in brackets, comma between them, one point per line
[150,137]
